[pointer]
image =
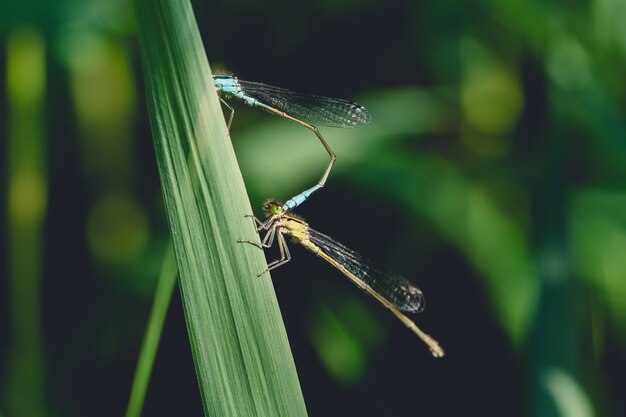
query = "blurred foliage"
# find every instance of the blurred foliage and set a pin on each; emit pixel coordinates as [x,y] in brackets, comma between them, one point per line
[492,175]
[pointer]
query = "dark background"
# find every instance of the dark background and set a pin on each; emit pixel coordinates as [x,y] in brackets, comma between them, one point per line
[492,176]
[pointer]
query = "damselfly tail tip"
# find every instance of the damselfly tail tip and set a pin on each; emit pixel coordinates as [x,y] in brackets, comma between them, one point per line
[433,345]
[436,350]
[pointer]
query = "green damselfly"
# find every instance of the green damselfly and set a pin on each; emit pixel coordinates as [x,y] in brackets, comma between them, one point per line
[395,292]
[306,110]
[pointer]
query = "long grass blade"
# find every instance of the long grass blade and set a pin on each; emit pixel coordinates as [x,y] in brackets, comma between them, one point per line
[240,349]
[162,297]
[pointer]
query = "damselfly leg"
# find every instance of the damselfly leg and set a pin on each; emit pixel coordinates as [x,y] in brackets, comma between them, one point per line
[232,112]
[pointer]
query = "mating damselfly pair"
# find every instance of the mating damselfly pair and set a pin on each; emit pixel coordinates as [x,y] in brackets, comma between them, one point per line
[393,291]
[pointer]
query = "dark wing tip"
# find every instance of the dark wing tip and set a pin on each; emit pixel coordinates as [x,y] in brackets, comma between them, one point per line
[415,301]
[359,115]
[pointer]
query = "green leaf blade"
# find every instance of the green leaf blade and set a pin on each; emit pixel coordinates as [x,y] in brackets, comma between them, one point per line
[240,348]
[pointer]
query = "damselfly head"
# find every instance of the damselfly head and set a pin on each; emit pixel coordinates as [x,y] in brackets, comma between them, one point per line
[272,207]
[225,83]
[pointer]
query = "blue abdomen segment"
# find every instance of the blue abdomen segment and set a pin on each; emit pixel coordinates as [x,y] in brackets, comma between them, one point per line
[300,198]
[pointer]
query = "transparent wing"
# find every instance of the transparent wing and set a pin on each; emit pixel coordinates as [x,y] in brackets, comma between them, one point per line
[315,110]
[395,288]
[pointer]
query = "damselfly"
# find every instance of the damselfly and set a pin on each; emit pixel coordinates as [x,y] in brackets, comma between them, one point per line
[306,110]
[395,292]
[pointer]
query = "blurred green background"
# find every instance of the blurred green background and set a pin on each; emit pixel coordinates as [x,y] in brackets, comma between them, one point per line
[493,175]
